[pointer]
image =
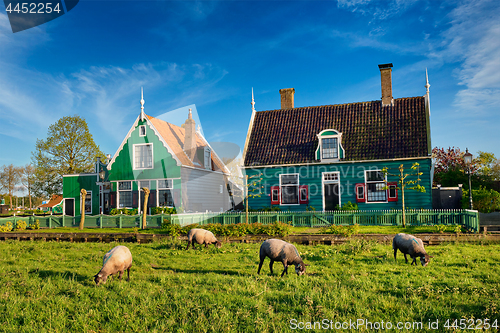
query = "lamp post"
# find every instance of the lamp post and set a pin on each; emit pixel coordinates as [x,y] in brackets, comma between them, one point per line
[468,162]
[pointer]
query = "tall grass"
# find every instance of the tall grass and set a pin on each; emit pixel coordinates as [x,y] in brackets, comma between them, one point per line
[48,287]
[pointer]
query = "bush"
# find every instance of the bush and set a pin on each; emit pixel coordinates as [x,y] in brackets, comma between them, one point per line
[346,231]
[21,225]
[7,227]
[164,210]
[124,211]
[35,225]
[171,229]
[485,201]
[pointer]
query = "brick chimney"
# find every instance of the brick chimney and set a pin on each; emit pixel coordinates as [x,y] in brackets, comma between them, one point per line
[190,136]
[287,98]
[386,79]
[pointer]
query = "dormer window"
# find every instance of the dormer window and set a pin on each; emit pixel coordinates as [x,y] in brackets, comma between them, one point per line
[207,158]
[329,147]
[142,130]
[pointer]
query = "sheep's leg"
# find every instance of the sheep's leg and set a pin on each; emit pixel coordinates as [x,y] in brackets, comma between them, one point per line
[260,265]
[189,243]
[285,270]
[120,275]
[271,266]
[406,259]
[194,248]
[206,244]
[414,261]
[128,274]
[395,251]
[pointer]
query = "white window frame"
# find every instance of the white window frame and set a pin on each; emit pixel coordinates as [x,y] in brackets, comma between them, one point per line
[384,182]
[389,191]
[337,136]
[330,137]
[288,185]
[134,157]
[139,186]
[330,181]
[128,190]
[88,195]
[142,128]
[169,181]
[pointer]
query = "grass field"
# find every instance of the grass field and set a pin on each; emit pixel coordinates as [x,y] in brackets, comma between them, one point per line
[48,287]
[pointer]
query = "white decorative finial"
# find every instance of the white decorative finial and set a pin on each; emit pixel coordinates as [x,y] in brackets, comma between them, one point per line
[427,85]
[199,128]
[190,115]
[253,102]
[142,104]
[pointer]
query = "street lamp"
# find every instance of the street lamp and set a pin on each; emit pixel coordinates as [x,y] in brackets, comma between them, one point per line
[468,162]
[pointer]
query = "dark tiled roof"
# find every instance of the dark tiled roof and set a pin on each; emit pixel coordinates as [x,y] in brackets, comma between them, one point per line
[369,132]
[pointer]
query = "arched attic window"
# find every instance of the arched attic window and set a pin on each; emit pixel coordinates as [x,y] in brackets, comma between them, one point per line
[330,146]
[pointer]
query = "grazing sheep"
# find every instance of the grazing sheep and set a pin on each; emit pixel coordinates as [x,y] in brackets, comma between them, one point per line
[202,236]
[117,260]
[411,245]
[278,250]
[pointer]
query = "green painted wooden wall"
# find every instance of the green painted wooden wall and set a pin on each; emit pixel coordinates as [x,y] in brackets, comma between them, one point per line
[164,165]
[350,174]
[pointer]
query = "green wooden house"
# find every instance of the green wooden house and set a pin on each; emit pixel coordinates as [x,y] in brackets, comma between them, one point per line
[176,164]
[322,157]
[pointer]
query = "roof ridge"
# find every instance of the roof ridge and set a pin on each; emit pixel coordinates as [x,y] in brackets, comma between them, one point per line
[341,104]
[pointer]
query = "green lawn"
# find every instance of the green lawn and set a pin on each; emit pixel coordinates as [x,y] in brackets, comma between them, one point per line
[48,287]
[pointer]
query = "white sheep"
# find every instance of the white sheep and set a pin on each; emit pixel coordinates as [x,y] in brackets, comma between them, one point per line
[278,250]
[117,260]
[202,236]
[411,245]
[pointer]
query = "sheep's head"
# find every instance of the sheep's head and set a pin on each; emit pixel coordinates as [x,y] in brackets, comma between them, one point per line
[100,278]
[300,269]
[425,259]
[218,244]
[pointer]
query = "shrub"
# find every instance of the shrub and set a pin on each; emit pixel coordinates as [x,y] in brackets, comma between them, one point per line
[35,225]
[7,227]
[164,210]
[21,225]
[124,211]
[441,228]
[171,229]
[346,231]
[485,201]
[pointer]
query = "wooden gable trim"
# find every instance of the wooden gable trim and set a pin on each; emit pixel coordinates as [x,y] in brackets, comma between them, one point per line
[150,124]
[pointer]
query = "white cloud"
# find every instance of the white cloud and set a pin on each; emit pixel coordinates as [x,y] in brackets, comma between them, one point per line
[474,39]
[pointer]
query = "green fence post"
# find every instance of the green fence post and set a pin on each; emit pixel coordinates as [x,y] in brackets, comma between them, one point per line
[100,221]
[120,220]
[50,222]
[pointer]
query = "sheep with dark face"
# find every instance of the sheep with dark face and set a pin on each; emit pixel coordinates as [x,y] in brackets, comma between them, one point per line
[278,250]
[117,260]
[202,236]
[411,245]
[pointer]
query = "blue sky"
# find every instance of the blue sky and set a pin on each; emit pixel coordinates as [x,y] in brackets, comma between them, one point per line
[94,60]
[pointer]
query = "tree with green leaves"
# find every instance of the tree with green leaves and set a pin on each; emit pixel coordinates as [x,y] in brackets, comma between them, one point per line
[9,179]
[405,181]
[68,149]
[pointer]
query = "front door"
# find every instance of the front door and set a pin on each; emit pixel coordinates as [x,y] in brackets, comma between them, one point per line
[69,207]
[331,196]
